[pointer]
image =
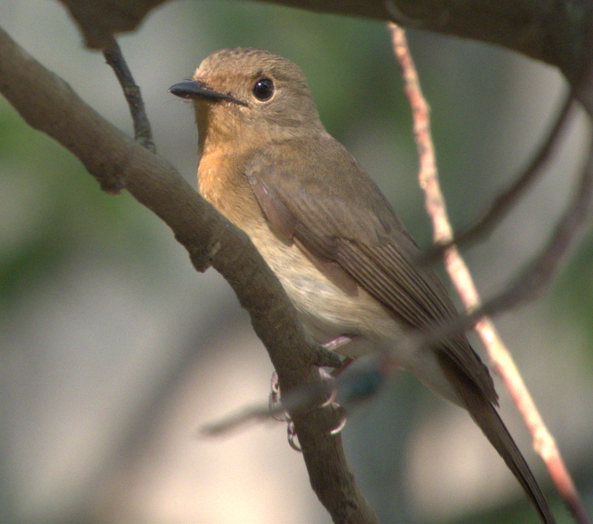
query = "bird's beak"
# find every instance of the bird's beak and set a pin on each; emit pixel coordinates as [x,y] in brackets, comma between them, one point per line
[196,89]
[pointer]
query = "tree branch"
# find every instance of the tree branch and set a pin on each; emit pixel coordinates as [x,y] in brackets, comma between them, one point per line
[559,33]
[543,442]
[505,201]
[49,105]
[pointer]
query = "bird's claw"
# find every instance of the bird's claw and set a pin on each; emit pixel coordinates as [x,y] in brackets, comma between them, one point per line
[283,416]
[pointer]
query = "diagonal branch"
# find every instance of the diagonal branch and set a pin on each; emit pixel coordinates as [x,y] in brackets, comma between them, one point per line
[541,273]
[49,105]
[546,267]
[505,201]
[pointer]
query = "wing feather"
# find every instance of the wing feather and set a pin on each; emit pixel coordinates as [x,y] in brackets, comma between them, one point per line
[352,224]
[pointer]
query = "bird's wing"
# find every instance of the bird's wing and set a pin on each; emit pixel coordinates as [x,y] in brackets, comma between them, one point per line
[314,192]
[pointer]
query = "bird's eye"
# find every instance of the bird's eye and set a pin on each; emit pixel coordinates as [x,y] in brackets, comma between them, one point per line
[263,89]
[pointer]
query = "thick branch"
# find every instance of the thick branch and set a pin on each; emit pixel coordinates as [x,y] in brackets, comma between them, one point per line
[556,32]
[48,104]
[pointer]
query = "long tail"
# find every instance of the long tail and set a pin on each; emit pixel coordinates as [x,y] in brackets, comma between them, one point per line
[487,418]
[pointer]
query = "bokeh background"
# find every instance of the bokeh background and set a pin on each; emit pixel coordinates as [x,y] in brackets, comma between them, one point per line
[114,351]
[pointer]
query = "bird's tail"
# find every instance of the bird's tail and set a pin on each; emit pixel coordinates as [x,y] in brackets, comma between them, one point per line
[487,418]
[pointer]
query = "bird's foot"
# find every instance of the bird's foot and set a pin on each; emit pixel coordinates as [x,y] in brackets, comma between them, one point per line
[280,414]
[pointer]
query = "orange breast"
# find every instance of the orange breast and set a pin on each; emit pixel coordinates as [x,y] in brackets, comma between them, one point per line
[222,182]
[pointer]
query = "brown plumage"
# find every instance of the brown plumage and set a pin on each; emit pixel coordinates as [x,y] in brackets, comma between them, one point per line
[326,230]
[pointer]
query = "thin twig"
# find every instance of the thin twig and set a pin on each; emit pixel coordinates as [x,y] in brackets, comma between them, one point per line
[505,201]
[142,131]
[542,272]
[525,286]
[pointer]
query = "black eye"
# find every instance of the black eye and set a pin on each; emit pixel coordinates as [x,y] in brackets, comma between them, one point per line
[263,89]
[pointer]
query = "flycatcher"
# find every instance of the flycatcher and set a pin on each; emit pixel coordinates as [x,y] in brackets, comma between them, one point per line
[323,226]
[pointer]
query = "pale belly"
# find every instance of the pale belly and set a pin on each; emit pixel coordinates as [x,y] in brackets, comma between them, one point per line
[327,312]
[325,309]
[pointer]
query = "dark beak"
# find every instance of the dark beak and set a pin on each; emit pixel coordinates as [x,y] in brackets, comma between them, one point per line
[195,89]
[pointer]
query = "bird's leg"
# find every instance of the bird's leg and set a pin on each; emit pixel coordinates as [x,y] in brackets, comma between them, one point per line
[337,343]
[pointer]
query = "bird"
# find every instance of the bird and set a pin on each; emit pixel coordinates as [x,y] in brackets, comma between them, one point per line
[323,226]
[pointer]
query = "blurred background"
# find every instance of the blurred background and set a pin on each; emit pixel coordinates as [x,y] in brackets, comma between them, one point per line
[114,351]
